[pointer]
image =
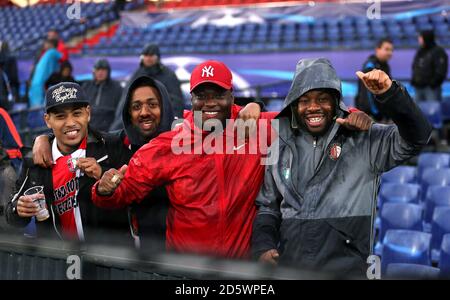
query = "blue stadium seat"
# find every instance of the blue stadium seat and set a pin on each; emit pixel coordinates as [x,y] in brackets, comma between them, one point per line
[432,110]
[432,160]
[400,174]
[399,193]
[436,196]
[406,246]
[411,271]
[440,225]
[444,260]
[431,176]
[400,216]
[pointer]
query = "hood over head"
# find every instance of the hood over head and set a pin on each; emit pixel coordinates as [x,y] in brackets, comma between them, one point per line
[103,63]
[167,115]
[428,38]
[311,74]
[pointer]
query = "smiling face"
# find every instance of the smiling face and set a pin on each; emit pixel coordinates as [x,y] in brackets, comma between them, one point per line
[69,125]
[213,101]
[316,110]
[145,110]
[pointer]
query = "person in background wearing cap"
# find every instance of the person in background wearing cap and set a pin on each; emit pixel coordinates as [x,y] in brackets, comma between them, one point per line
[104,94]
[317,203]
[211,195]
[80,156]
[151,66]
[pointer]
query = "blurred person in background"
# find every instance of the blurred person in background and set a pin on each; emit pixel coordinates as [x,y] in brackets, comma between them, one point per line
[63,75]
[9,79]
[429,68]
[104,94]
[364,99]
[47,65]
[10,139]
[10,163]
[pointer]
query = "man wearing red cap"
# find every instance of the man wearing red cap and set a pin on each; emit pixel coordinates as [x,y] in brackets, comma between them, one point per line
[212,193]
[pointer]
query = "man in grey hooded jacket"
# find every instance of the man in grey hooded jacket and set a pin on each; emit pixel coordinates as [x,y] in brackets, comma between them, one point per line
[317,203]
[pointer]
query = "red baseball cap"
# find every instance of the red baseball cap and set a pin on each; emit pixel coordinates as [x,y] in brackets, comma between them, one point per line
[212,71]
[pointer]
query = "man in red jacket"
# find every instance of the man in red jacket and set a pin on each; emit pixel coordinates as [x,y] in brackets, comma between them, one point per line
[212,180]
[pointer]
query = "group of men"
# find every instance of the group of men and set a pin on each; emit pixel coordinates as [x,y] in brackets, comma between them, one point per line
[313,206]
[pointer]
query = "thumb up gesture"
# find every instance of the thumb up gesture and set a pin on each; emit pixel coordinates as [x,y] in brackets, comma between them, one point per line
[376,81]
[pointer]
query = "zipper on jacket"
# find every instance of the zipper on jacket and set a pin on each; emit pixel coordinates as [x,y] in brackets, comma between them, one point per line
[315,142]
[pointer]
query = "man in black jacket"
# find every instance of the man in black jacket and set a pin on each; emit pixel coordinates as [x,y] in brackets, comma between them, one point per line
[9,78]
[80,156]
[364,99]
[104,94]
[429,68]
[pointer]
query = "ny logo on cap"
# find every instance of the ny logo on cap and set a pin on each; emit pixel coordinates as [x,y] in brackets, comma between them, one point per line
[208,71]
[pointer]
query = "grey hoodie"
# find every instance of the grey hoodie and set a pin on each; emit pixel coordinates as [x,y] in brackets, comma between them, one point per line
[317,203]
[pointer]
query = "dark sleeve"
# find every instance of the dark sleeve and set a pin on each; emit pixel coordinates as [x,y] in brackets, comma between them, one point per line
[118,153]
[440,66]
[11,213]
[391,145]
[412,124]
[266,226]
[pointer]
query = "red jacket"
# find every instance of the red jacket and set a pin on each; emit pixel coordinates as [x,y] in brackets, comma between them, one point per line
[212,195]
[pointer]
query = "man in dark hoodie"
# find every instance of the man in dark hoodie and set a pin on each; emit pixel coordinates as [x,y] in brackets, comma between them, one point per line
[317,203]
[429,69]
[104,94]
[151,66]
[364,100]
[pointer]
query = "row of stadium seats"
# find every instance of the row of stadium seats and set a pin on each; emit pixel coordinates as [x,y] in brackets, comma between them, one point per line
[24,28]
[206,3]
[414,215]
[347,33]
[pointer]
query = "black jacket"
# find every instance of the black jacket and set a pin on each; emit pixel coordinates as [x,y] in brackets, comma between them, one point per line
[99,225]
[148,218]
[364,99]
[105,100]
[430,64]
